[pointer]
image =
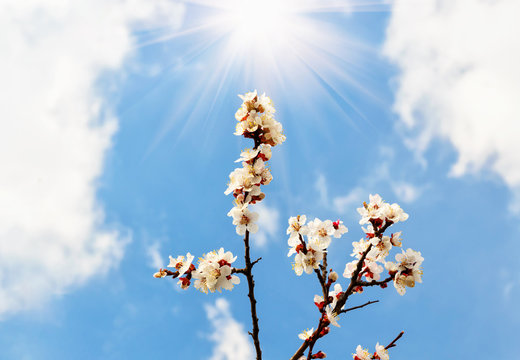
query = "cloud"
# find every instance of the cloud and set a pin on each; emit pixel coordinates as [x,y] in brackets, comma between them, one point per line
[56,131]
[268,224]
[406,192]
[321,187]
[353,199]
[231,340]
[155,259]
[460,80]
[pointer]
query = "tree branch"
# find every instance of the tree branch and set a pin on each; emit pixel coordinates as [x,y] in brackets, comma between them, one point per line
[323,285]
[251,285]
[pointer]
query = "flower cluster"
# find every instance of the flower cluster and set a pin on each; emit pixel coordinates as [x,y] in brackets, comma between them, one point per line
[407,270]
[379,211]
[256,121]
[374,248]
[363,354]
[310,242]
[310,252]
[214,271]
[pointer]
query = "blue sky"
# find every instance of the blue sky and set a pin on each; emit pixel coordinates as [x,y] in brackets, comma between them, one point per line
[119,140]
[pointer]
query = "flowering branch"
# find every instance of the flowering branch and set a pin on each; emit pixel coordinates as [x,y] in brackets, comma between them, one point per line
[311,256]
[309,242]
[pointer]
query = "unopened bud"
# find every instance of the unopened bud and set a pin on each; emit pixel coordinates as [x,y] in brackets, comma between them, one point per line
[333,276]
[160,274]
[324,331]
[319,355]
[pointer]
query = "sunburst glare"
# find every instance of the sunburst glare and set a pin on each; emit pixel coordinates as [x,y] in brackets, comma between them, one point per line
[271,45]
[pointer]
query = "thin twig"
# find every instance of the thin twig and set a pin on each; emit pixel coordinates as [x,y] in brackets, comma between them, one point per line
[392,344]
[374,282]
[358,307]
[254,262]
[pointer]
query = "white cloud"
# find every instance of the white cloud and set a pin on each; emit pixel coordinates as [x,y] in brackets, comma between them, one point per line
[406,192]
[353,199]
[321,187]
[460,79]
[231,340]
[155,259]
[55,133]
[268,224]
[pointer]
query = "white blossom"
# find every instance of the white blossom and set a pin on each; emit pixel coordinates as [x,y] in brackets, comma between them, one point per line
[362,354]
[339,229]
[394,213]
[306,334]
[359,248]
[297,226]
[332,316]
[248,155]
[181,263]
[335,294]
[350,268]
[307,262]
[395,239]
[243,179]
[214,272]
[381,352]
[244,220]
[407,270]
[265,152]
[372,210]
[372,270]
[380,248]
[320,233]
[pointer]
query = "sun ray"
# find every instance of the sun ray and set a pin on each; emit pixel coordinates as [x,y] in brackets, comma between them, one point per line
[272,45]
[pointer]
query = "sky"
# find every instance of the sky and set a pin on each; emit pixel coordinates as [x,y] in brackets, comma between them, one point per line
[117,142]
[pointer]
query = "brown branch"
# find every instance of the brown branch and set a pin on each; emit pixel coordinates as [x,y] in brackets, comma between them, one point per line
[315,336]
[354,281]
[374,282]
[251,285]
[324,266]
[358,307]
[254,262]
[171,273]
[392,344]
[248,270]
[323,284]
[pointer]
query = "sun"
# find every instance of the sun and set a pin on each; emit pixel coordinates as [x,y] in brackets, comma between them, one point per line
[257,25]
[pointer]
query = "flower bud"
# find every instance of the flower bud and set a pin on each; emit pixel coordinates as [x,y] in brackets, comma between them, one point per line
[160,274]
[319,355]
[333,276]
